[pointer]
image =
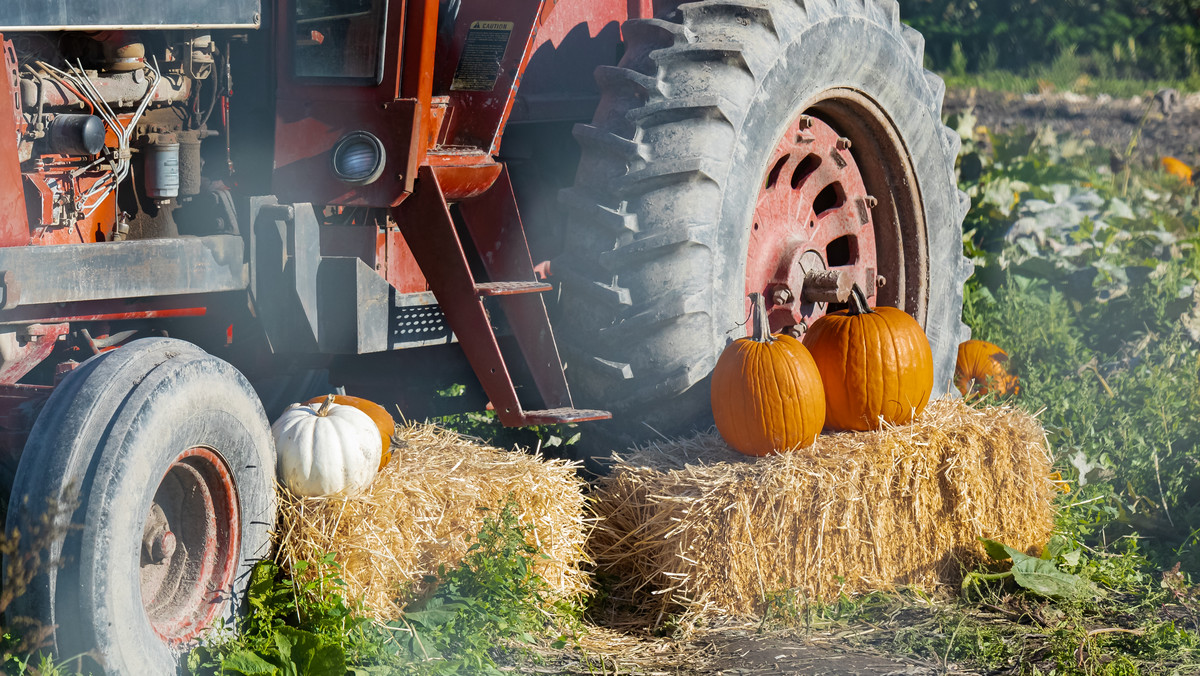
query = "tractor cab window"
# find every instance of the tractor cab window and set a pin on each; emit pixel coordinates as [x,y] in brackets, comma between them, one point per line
[339,38]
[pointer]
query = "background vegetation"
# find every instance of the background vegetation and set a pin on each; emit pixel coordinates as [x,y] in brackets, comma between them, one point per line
[1136,40]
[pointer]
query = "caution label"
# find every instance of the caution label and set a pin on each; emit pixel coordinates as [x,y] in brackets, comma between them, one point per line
[479,66]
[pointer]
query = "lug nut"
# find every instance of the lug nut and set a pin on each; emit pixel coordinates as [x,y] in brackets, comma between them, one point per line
[796,330]
[162,547]
[881,281]
[843,143]
[781,295]
[805,122]
[871,201]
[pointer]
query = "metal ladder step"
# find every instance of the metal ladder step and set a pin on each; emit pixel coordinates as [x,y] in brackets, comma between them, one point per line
[510,288]
[551,416]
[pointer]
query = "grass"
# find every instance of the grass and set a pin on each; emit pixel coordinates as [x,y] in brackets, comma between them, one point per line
[1068,72]
[1065,80]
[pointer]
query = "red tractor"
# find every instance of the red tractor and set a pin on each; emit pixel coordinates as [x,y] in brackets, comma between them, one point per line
[209,209]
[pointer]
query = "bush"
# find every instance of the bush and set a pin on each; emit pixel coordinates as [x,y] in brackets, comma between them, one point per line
[1114,38]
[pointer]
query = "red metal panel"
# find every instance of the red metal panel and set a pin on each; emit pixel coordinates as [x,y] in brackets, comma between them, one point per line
[14,229]
[420,61]
[463,176]
[34,346]
[480,116]
[400,267]
[573,39]
[307,129]
[107,310]
[312,114]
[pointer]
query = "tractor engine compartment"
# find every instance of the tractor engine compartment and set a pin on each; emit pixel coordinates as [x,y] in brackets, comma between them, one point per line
[112,131]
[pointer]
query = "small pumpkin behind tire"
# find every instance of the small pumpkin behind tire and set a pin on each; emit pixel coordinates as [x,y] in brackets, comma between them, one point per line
[378,414]
[982,368]
[766,391]
[875,363]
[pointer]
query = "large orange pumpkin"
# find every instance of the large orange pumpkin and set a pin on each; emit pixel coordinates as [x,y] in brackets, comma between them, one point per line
[876,365]
[378,414]
[766,392]
[983,368]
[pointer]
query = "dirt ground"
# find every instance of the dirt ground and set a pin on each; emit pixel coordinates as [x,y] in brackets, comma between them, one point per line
[733,650]
[1111,123]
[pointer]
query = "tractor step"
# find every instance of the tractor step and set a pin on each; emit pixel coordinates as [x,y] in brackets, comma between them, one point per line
[510,288]
[553,416]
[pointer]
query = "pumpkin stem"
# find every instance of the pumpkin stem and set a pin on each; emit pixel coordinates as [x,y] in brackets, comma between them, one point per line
[858,302]
[325,406]
[762,325]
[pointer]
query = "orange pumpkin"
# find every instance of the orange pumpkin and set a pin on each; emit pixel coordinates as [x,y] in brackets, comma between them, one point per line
[378,414]
[1176,168]
[982,368]
[876,365]
[766,392]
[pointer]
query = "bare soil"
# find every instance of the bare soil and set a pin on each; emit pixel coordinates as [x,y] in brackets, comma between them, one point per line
[1110,123]
[732,651]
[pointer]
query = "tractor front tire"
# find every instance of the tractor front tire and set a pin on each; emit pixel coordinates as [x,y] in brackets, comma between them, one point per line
[707,106]
[167,457]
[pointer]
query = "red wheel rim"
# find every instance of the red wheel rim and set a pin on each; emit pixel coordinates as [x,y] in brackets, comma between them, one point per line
[813,231]
[191,545]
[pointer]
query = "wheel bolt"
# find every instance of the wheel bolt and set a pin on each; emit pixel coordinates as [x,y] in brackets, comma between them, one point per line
[871,201]
[163,547]
[881,281]
[843,143]
[781,295]
[804,122]
[796,330]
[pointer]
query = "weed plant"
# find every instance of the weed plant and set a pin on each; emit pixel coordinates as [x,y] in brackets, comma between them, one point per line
[479,614]
[24,641]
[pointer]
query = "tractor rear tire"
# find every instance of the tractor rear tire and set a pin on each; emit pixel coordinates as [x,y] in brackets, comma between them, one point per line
[654,270]
[168,457]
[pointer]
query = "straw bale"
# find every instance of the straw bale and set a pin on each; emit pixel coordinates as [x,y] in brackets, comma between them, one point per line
[692,527]
[423,511]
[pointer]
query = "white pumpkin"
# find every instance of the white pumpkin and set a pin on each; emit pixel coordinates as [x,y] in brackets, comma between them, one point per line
[326,449]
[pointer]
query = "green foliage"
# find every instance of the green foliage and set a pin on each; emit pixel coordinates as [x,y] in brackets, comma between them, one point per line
[494,595]
[1037,575]
[1129,621]
[484,425]
[1061,40]
[296,628]
[1088,279]
[24,639]
[292,627]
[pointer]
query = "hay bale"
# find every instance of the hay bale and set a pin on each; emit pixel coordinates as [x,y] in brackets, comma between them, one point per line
[423,511]
[693,527]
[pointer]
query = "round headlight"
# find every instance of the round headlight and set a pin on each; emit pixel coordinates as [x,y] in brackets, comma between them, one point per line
[358,158]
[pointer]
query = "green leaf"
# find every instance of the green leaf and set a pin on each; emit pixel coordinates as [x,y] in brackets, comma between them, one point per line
[247,663]
[1043,577]
[307,654]
[436,613]
[1055,547]
[1071,558]
[997,550]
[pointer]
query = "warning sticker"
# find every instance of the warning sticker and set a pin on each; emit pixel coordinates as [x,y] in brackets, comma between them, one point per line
[479,66]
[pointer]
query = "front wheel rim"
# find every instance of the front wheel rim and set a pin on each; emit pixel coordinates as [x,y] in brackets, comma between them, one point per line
[839,204]
[190,544]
